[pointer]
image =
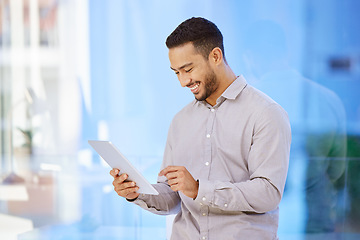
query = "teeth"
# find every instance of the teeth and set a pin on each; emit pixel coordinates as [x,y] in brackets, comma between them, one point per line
[192,88]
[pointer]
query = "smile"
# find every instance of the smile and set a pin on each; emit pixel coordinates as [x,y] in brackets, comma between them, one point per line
[195,88]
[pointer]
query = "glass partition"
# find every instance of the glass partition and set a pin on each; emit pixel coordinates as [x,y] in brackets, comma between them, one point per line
[71,71]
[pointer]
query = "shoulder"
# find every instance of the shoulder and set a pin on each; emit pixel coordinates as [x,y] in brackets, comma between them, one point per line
[182,121]
[252,102]
[262,107]
[186,111]
[257,97]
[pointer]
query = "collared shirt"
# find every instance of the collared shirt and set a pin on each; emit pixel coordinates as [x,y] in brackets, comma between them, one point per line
[239,150]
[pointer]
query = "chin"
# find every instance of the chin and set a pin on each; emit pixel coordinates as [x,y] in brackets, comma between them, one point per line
[200,98]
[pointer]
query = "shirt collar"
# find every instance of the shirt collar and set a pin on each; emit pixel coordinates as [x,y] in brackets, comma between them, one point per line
[235,88]
[231,92]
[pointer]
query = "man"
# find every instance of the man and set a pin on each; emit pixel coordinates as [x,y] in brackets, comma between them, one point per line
[227,152]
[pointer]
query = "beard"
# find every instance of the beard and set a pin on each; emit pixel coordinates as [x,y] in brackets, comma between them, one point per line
[210,86]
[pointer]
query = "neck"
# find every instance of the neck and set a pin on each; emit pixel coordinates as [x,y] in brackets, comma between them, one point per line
[225,77]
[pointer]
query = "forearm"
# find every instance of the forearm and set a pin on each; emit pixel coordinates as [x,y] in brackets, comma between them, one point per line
[167,202]
[257,195]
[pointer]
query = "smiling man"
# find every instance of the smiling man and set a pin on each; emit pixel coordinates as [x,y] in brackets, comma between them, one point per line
[227,152]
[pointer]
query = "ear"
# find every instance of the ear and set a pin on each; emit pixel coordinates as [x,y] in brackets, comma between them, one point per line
[216,56]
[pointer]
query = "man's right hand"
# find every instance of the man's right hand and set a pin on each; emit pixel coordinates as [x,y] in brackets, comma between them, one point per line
[123,188]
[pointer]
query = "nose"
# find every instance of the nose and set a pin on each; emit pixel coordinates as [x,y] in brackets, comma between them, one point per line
[184,80]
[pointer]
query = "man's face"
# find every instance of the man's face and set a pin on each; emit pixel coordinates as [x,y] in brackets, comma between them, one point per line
[193,71]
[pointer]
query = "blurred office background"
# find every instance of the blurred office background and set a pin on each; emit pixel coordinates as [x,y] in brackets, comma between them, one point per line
[74,70]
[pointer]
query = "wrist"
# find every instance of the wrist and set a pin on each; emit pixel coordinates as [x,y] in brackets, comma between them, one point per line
[197,189]
[131,200]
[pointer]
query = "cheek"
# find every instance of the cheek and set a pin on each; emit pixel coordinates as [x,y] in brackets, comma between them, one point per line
[206,72]
[199,76]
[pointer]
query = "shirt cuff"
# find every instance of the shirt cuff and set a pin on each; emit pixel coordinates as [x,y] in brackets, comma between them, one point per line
[141,198]
[205,194]
[131,200]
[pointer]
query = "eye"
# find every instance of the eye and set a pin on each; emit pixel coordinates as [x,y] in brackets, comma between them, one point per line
[177,73]
[189,70]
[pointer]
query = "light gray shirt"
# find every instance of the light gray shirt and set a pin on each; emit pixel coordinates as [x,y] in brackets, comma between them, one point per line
[239,152]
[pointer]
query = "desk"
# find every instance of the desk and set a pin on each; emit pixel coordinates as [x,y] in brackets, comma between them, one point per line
[10,226]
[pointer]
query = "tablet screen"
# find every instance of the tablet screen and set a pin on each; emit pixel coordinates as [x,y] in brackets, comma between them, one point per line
[115,159]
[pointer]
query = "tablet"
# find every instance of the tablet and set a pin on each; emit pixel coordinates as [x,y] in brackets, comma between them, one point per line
[115,159]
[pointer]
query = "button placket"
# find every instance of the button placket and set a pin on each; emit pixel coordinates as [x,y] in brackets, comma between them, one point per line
[205,200]
[208,141]
[204,212]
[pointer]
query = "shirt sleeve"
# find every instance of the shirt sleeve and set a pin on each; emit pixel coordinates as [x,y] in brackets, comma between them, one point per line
[268,162]
[167,202]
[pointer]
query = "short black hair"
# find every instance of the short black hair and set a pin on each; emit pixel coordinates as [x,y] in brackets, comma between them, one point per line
[204,35]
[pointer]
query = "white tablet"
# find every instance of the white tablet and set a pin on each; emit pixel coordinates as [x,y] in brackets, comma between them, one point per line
[116,160]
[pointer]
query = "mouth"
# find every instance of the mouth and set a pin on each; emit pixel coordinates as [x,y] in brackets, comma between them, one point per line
[194,88]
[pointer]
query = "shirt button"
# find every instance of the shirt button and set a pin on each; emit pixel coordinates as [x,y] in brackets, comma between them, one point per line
[207,163]
[212,110]
[204,214]
[204,199]
[208,135]
[203,237]
[225,205]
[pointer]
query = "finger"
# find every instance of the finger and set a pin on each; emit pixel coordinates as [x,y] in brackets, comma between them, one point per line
[132,195]
[171,175]
[125,185]
[114,172]
[123,177]
[174,187]
[168,169]
[120,184]
[165,171]
[127,191]
[172,182]
[120,179]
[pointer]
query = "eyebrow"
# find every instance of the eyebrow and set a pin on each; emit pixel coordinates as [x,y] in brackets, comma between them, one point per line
[183,66]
